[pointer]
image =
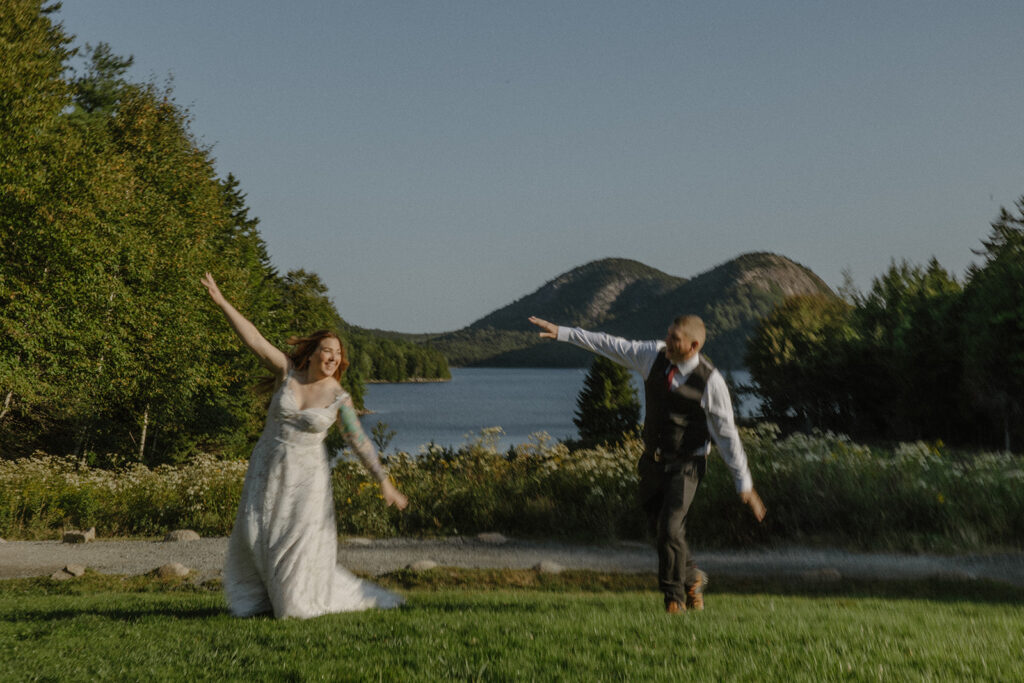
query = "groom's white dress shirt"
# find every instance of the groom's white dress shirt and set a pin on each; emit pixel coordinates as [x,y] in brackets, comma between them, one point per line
[640,356]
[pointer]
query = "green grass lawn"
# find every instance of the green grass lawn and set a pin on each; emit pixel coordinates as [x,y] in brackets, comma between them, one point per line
[518,626]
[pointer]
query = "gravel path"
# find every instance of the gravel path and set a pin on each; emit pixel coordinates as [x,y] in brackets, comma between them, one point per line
[206,556]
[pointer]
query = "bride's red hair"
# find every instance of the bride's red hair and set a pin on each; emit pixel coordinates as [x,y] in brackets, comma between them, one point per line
[307,346]
[302,351]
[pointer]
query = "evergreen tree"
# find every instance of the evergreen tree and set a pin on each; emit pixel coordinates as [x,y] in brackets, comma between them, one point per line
[101,87]
[909,354]
[993,336]
[607,408]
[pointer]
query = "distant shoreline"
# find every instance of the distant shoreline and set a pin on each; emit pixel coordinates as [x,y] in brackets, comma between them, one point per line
[411,380]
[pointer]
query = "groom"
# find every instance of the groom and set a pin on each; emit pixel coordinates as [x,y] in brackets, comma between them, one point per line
[687,405]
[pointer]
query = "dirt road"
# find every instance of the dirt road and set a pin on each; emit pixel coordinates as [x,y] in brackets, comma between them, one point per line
[206,556]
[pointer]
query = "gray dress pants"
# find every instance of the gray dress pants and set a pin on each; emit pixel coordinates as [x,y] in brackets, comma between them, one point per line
[666,493]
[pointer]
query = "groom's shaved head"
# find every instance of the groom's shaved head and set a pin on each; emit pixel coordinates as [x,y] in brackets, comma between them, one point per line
[692,327]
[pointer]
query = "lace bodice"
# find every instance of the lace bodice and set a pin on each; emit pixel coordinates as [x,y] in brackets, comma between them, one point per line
[287,424]
[307,426]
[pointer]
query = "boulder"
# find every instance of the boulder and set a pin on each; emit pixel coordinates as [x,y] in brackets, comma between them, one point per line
[172,570]
[181,535]
[69,571]
[75,536]
[548,567]
[491,537]
[422,566]
[359,542]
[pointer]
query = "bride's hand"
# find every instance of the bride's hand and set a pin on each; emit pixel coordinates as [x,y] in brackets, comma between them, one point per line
[211,287]
[393,496]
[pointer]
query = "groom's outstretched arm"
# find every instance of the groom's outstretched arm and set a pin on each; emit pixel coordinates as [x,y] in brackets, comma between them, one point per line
[635,355]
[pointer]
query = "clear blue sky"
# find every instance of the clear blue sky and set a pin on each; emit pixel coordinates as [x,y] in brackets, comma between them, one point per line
[433,161]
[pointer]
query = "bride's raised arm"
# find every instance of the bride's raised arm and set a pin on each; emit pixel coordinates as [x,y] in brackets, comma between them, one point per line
[270,356]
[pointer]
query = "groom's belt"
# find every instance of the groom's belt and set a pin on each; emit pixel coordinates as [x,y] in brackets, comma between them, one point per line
[659,455]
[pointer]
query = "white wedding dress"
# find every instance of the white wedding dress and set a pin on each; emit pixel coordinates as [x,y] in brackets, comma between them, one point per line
[282,556]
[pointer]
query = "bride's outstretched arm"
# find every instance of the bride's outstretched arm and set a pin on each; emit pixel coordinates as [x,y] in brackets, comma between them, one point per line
[354,435]
[272,357]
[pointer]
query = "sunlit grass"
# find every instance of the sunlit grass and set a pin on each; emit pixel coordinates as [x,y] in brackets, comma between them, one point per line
[113,629]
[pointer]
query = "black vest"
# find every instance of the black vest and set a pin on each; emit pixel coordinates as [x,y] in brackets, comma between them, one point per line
[675,425]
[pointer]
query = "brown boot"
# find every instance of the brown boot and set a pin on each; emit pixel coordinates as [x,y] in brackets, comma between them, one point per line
[695,593]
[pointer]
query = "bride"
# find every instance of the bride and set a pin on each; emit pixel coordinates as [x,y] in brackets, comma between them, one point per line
[282,556]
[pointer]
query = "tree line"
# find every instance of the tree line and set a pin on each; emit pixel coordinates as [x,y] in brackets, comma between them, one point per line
[919,356]
[110,211]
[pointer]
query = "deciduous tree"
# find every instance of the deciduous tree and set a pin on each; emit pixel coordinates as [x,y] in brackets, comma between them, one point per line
[799,359]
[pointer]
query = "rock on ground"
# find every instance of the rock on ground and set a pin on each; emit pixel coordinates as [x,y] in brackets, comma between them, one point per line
[70,571]
[422,566]
[75,536]
[172,570]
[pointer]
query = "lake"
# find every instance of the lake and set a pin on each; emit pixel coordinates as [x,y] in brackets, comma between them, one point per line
[521,401]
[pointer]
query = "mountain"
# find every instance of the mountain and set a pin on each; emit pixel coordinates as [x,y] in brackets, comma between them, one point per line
[586,296]
[630,299]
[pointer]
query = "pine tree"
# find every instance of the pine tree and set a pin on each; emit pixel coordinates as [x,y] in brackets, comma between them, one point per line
[607,408]
[993,336]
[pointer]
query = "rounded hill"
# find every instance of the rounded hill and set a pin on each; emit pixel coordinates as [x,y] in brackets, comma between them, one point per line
[631,299]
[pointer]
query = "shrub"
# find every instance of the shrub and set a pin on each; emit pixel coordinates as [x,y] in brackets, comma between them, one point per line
[819,488]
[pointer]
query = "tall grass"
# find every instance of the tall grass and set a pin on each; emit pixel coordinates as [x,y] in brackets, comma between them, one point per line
[819,489]
[915,496]
[43,494]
